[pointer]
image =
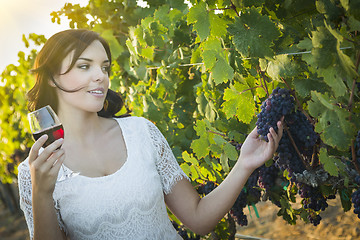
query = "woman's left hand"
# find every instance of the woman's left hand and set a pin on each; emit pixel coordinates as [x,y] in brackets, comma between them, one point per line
[255,151]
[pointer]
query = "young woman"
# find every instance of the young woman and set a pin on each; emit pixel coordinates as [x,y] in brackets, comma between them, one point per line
[127,170]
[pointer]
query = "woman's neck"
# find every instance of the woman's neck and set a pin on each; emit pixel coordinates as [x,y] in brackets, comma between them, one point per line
[80,126]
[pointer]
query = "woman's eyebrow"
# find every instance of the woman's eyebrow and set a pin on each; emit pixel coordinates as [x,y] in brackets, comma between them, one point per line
[90,60]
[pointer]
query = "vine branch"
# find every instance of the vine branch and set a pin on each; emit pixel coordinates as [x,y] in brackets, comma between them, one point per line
[264,86]
[221,134]
[234,8]
[353,85]
[353,155]
[294,145]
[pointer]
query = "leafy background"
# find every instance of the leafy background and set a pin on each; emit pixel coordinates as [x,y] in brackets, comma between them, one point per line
[200,70]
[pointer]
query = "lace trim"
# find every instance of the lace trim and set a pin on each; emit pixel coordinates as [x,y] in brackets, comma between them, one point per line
[166,163]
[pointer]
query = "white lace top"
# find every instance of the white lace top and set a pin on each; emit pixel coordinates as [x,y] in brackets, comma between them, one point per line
[128,204]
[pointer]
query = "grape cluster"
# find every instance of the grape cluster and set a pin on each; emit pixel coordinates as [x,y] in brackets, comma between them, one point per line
[206,188]
[287,158]
[313,201]
[183,233]
[279,103]
[302,130]
[357,148]
[268,176]
[250,194]
[356,198]
[236,145]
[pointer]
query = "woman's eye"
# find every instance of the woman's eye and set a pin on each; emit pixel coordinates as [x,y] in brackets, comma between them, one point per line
[85,66]
[106,69]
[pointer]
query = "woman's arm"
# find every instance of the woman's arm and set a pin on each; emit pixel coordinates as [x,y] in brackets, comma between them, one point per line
[201,215]
[44,169]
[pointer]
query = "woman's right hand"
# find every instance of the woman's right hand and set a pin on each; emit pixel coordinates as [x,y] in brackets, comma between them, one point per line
[44,167]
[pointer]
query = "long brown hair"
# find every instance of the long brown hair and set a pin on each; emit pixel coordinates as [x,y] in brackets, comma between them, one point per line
[48,63]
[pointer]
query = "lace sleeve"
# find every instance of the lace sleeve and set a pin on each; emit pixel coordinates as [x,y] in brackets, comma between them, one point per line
[25,188]
[166,164]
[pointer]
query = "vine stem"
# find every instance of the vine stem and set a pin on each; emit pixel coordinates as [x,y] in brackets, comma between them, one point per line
[353,85]
[264,86]
[298,103]
[353,154]
[221,134]
[294,145]
[249,89]
[234,8]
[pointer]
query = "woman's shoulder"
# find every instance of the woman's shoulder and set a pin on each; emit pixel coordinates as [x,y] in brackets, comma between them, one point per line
[133,120]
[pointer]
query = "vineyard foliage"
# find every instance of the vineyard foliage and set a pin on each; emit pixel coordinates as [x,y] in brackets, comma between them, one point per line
[200,70]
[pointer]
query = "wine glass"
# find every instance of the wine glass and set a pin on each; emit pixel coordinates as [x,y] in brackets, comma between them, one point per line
[45,121]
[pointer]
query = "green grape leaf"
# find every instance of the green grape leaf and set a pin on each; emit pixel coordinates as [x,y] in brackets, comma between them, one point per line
[189,158]
[239,102]
[198,15]
[282,67]
[214,60]
[218,26]
[201,146]
[334,80]
[329,163]
[333,124]
[224,161]
[116,48]
[222,71]
[253,34]
[230,151]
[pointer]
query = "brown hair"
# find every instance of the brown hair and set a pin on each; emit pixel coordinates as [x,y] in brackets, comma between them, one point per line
[48,63]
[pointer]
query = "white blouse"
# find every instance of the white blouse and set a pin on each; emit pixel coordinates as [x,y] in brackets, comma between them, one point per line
[128,204]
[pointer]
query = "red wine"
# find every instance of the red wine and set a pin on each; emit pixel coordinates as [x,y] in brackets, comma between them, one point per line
[54,133]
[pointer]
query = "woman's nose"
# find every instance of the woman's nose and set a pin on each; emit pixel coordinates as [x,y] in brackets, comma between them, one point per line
[99,74]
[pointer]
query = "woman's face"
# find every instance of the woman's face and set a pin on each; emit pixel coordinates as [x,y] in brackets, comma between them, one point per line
[90,73]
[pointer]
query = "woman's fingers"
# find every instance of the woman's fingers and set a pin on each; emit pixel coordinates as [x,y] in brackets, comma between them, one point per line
[34,151]
[57,164]
[45,160]
[51,161]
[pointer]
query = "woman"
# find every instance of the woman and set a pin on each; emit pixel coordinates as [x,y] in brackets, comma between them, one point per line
[127,170]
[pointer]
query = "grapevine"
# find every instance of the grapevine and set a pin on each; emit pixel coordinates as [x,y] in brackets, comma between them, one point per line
[205,77]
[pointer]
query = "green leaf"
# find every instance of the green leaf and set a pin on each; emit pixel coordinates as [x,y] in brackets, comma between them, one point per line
[218,26]
[333,124]
[201,146]
[190,158]
[198,15]
[116,48]
[282,67]
[230,151]
[222,71]
[253,34]
[334,80]
[239,102]
[224,162]
[328,162]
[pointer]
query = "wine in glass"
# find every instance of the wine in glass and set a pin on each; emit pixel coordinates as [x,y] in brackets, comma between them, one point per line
[45,121]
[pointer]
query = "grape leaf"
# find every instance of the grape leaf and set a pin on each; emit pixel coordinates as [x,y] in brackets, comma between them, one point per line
[217,25]
[224,162]
[198,15]
[281,67]
[333,124]
[329,163]
[239,102]
[253,34]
